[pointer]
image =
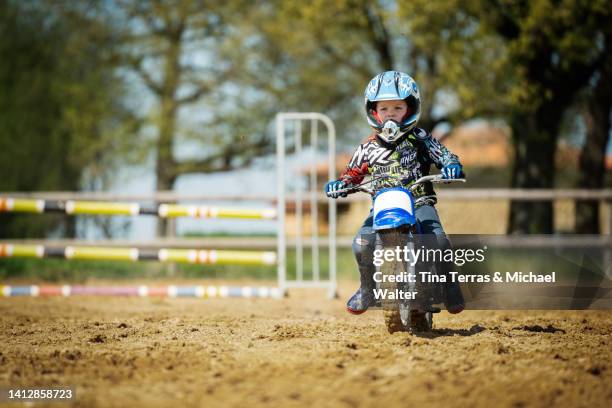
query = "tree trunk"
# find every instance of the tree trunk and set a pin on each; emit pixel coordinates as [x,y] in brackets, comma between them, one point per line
[165,164]
[593,155]
[165,182]
[533,167]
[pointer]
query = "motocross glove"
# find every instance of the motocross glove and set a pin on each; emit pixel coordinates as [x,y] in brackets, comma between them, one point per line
[332,187]
[452,171]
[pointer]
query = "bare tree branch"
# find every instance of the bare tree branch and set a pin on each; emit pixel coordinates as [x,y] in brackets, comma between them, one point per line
[379,36]
[194,96]
[136,64]
[337,57]
[224,160]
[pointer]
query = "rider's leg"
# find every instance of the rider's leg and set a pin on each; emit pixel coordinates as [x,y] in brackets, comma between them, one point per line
[363,248]
[430,224]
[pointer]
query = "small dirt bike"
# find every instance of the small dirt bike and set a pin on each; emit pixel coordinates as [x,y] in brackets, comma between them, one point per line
[396,226]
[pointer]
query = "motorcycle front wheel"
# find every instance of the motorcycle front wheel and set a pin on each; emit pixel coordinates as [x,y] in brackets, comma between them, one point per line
[398,314]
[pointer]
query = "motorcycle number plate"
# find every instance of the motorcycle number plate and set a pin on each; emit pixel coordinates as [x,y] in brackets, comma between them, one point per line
[393,199]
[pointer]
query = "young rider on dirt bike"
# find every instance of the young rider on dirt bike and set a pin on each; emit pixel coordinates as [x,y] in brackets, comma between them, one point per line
[397,153]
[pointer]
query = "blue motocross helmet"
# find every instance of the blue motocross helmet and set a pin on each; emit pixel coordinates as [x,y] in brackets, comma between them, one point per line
[392,85]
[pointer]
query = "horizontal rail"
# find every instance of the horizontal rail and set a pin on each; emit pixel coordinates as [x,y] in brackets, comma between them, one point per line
[543,241]
[525,194]
[502,241]
[192,256]
[156,197]
[143,291]
[12,204]
[263,243]
[443,193]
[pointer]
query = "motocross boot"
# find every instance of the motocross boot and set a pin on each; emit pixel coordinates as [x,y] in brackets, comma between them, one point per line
[363,249]
[453,300]
[363,298]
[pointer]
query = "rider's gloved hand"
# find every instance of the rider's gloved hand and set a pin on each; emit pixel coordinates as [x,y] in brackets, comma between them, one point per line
[452,171]
[332,187]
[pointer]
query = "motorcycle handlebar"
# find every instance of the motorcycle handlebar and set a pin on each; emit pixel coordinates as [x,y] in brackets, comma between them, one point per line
[436,178]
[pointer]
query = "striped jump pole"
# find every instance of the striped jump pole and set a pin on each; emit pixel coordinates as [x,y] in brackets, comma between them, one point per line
[115,208]
[143,291]
[191,256]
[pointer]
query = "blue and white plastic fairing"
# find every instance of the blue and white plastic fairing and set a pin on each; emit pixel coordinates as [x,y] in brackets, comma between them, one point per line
[393,207]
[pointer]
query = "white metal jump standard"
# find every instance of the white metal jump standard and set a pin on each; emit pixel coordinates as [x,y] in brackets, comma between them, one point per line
[281,187]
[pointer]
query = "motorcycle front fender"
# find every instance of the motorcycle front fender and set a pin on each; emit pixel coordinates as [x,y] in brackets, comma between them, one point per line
[393,218]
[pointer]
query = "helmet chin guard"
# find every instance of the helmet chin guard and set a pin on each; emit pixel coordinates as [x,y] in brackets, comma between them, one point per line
[390,131]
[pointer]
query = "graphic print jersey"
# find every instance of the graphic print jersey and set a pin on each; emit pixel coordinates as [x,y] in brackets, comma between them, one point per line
[409,160]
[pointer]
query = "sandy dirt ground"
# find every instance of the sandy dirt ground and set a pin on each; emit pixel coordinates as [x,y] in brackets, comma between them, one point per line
[300,351]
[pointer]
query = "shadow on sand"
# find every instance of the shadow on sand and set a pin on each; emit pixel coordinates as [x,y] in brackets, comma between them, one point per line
[475,329]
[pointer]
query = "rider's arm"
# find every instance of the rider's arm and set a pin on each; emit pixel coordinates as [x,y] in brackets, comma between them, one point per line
[437,152]
[357,168]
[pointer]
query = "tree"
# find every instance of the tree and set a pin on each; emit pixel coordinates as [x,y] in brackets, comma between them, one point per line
[320,55]
[527,60]
[464,68]
[593,155]
[176,50]
[554,46]
[59,109]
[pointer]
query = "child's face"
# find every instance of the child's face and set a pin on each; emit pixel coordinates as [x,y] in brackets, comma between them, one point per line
[395,109]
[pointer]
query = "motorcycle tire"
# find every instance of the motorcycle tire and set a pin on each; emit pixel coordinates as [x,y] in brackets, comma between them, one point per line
[392,312]
[397,316]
